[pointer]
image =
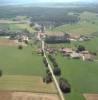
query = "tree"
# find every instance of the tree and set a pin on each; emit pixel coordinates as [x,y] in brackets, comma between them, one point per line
[48,78]
[42,53]
[47,71]
[32,24]
[55,64]
[26,41]
[20,47]
[80,48]
[57,71]
[0,73]
[64,85]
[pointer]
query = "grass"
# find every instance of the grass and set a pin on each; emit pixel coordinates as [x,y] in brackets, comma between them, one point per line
[81,75]
[23,70]
[20,62]
[88,24]
[79,28]
[15,27]
[25,84]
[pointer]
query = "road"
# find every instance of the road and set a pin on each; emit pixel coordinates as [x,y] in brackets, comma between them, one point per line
[50,68]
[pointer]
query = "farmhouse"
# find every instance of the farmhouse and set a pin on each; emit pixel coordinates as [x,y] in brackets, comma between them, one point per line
[66,51]
[87,57]
[54,37]
[75,55]
[74,37]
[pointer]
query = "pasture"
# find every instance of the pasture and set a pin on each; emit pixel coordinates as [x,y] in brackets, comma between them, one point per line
[88,24]
[82,75]
[21,62]
[23,70]
[16,27]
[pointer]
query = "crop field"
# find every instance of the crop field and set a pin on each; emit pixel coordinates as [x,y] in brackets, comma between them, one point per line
[23,70]
[25,83]
[27,96]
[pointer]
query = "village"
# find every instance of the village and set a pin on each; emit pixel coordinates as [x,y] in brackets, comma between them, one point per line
[76,52]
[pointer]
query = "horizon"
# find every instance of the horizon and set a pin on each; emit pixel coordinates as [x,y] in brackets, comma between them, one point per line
[44,1]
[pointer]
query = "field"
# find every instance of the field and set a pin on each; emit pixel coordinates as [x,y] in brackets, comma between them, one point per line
[27,96]
[15,61]
[25,83]
[88,24]
[23,71]
[16,27]
[82,75]
[91,96]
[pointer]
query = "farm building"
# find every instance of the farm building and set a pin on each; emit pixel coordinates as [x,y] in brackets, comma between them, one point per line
[54,37]
[66,51]
[88,57]
[75,55]
[74,36]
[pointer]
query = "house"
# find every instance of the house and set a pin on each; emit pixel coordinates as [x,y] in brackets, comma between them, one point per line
[88,57]
[66,51]
[57,37]
[85,52]
[50,50]
[39,51]
[75,55]
[74,37]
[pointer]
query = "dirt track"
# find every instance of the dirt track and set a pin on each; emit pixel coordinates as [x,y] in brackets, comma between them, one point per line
[91,96]
[27,96]
[6,42]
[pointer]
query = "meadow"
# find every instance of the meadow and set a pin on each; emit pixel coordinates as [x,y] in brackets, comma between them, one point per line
[23,70]
[87,24]
[14,27]
[82,75]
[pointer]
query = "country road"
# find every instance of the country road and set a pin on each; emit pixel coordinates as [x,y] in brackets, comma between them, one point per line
[50,68]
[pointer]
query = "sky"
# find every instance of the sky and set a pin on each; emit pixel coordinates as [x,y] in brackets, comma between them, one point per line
[36,1]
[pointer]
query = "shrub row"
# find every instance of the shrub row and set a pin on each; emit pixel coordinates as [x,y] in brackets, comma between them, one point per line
[63,84]
[48,78]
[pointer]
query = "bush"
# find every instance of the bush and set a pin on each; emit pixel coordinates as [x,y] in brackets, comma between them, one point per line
[42,53]
[20,47]
[45,62]
[80,48]
[64,85]
[47,71]
[48,78]
[26,41]
[57,71]
[55,64]
[51,58]
[0,73]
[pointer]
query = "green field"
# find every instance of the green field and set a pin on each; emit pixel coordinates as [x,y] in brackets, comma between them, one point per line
[82,75]
[17,27]
[23,70]
[88,24]
[20,62]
